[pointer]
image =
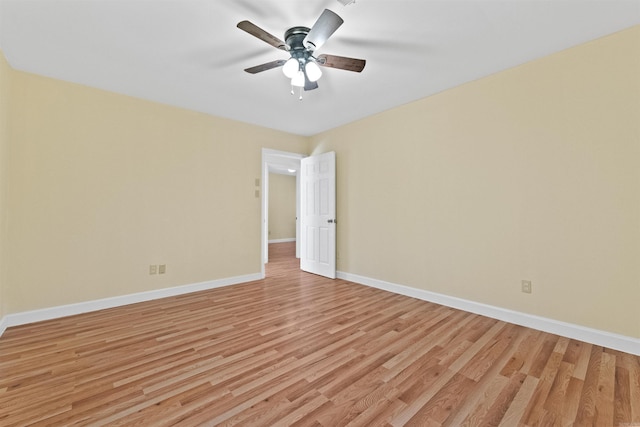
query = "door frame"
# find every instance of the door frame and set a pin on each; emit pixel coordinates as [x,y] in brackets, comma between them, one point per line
[276,161]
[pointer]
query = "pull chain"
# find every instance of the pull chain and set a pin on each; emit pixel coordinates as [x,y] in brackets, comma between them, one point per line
[299,93]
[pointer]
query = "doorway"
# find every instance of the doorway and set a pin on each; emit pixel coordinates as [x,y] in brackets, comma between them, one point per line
[278,162]
[282,208]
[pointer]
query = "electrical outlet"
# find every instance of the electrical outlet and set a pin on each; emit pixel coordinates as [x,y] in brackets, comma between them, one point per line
[162,268]
[526,286]
[153,269]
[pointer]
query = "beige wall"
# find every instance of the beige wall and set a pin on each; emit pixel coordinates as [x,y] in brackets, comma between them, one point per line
[532,173]
[5,86]
[282,206]
[103,185]
[528,174]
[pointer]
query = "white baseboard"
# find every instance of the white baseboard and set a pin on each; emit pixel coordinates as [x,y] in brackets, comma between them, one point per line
[33,316]
[3,325]
[569,330]
[593,336]
[290,239]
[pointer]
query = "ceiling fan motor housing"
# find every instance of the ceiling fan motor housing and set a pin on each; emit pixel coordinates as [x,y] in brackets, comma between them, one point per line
[294,38]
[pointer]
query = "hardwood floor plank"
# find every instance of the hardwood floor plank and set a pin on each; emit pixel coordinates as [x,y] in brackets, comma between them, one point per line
[606,390]
[299,349]
[378,414]
[555,400]
[421,392]
[536,409]
[500,405]
[489,354]
[571,401]
[622,398]
[516,413]
[632,364]
[541,358]
[487,399]
[586,407]
[444,402]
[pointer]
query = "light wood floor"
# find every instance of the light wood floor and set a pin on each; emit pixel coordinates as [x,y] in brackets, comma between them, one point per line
[297,349]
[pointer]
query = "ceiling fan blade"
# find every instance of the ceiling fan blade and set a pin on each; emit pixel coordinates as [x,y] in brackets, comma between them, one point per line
[327,24]
[342,62]
[265,67]
[258,32]
[308,84]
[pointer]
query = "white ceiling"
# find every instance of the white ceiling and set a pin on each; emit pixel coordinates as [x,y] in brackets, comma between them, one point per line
[189,53]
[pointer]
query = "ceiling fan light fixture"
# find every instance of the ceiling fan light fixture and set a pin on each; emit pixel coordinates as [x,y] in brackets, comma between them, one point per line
[298,79]
[302,68]
[313,71]
[291,68]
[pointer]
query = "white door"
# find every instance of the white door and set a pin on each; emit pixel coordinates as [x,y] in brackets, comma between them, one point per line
[318,214]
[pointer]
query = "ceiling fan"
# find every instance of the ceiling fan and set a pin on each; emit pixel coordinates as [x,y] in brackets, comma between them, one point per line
[303,68]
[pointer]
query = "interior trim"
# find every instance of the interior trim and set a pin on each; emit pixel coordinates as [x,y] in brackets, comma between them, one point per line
[3,325]
[568,330]
[50,313]
[291,239]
